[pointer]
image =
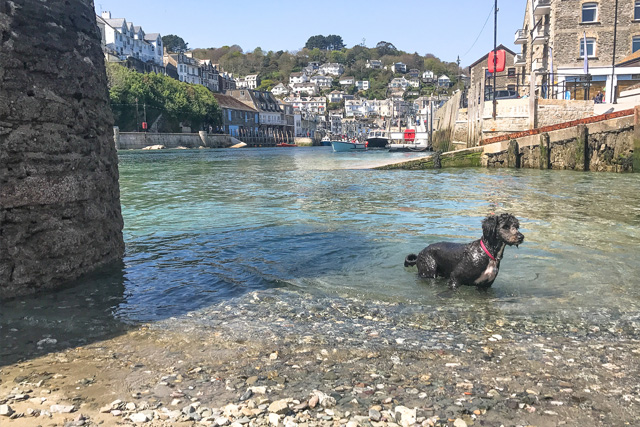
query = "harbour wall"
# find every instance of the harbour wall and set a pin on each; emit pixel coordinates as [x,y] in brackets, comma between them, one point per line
[611,145]
[140,140]
[59,197]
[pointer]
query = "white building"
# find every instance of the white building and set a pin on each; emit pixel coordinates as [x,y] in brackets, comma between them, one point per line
[347,81]
[280,89]
[309,104]
[362,84]
[331,69]
[444,81]
[308,88]
[399,82]
[336,96]
[322,81]
[414,83]
[252,81]
[374,64]
[295,78]
[428,77]
[122,39]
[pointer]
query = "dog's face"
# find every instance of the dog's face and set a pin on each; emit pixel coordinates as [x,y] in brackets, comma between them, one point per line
[502,228]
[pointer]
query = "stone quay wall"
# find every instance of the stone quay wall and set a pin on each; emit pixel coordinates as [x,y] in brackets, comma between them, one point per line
[140,140]
[606,146]
[59,197]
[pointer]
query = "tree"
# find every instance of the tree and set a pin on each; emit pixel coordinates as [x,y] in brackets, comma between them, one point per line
[174,43]
[316,42]
[334,42]
[386,48]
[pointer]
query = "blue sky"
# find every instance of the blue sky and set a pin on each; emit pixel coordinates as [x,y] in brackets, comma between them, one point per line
[444,28]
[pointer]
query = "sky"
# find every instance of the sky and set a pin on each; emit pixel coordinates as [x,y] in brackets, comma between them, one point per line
[447,29]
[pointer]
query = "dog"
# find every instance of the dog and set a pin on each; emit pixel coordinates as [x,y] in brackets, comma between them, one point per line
[474,264]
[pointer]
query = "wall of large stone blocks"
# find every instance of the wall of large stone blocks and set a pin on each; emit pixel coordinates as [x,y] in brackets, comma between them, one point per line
[59,197]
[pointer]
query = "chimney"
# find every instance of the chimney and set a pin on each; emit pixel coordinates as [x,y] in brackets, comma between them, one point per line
[106,14]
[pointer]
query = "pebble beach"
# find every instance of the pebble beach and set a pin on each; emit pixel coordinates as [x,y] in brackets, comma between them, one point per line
[280,358]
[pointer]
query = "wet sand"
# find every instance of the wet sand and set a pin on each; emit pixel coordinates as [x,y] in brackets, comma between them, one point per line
[263,360]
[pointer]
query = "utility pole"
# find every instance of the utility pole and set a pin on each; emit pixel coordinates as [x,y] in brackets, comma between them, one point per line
[613,60]
[495,57]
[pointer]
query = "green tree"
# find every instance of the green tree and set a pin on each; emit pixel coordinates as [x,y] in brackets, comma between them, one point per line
[316,42]
[174,43]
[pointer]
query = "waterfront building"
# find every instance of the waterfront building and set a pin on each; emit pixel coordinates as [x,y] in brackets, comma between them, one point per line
[481,80]
[553,47]
[238,119]
[415,82]
[272,121]
[209,75]
[225,81]
[413,73]
[308,104]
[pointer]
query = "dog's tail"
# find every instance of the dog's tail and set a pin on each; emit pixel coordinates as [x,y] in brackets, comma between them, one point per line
[410,260]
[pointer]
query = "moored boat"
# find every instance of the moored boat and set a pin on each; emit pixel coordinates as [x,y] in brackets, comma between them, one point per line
[285,144]
[348,146]
[377,139]
[326,141]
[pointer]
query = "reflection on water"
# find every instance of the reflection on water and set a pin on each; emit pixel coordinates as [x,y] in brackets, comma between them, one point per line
[209,225]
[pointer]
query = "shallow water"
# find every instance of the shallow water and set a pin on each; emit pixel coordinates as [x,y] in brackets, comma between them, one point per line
[207,226]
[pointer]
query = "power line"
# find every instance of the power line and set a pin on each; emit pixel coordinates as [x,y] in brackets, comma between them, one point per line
[481,31]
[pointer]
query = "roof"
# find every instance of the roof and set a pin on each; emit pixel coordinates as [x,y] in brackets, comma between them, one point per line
[226,101]
[632,59]
[152,36]
[115,22]
[484,58]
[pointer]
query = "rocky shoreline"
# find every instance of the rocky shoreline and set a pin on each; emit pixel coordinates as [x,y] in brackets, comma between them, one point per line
[272,360]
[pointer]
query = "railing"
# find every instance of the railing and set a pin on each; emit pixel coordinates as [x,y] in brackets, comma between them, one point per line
[540,36]
[519,60]
[520,37]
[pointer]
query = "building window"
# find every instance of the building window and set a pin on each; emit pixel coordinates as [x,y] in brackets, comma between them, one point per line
[636,11]
[635,44]
[589,12]
[591,48]
[511,72]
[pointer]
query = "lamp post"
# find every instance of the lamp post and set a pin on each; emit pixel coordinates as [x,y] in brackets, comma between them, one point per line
[495,57]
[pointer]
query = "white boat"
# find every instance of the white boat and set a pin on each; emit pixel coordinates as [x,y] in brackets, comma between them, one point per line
[348,146]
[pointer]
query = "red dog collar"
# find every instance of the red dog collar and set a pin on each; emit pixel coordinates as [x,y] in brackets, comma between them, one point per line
[484,248]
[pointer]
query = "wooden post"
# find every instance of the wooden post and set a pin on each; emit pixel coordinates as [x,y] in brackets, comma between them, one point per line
[545,151]
[636,139]
[582,148]
[513,154]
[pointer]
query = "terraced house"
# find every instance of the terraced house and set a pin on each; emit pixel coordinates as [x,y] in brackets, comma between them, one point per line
[568,47]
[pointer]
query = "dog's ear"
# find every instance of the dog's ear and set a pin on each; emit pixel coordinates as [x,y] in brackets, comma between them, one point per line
[489,227]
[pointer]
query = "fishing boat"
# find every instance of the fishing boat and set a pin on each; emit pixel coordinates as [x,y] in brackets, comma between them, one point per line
[377,139]
[326,141]
[348,146]
[409,140]
[285,144]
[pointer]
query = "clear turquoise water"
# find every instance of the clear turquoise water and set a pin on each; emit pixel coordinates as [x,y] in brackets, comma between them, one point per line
[208,226]
[205,226]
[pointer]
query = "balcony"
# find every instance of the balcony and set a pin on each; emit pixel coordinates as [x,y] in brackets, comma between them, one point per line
[521,37]
[519,60]
[541,7]
[540,36]
[537,66]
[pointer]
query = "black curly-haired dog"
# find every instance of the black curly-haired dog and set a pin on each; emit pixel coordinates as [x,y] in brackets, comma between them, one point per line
[476,263]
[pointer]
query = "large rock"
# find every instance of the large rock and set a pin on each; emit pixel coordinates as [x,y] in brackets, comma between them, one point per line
[59,197]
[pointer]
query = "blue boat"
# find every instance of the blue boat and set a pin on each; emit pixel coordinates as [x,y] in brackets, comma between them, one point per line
[348,146]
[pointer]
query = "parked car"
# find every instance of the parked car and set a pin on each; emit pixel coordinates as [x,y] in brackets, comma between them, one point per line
[502,94]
